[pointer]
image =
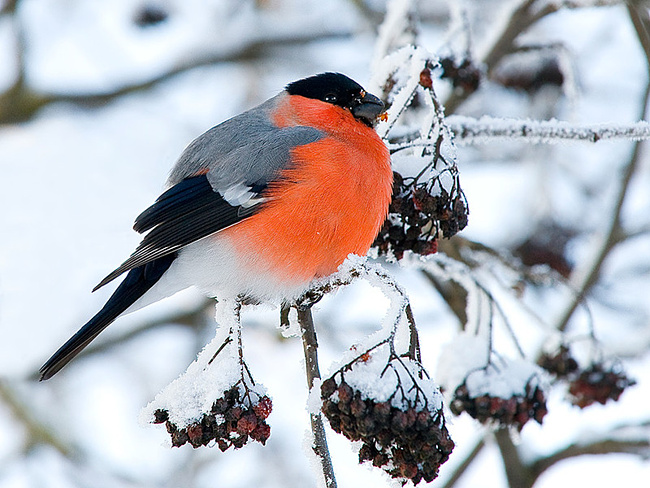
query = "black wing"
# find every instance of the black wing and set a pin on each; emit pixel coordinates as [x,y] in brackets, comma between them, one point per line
[187,212]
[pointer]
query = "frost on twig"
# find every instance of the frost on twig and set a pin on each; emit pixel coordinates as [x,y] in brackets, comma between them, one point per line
[501,390]
[468,130]
[428,200]
[216,399]
[490,387]
[381,395]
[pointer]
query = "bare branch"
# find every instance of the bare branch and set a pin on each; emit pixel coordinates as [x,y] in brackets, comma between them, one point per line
[37,432]
[606,445]
[516,471]
[638,12]
[9,7]
[527,13]
[519,21]
[310,346]
[21,102]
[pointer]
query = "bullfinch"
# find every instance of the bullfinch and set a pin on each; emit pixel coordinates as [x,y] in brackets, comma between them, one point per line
[260,205]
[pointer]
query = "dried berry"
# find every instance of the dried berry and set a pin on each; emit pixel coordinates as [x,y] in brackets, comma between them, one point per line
[560,364]
[416,215]
[233,420]
[515,411]
[425,78]
[392,438]
[599,383]
[530,73]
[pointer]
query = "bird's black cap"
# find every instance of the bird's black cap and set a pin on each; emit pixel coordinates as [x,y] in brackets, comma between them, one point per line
[338,89]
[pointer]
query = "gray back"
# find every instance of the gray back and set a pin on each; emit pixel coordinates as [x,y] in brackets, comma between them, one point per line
[247,149]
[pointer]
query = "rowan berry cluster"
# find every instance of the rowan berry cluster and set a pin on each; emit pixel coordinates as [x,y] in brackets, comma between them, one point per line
[560,364]
[598,383]
[234,420]
[409,443]
[415,216]
[514,411]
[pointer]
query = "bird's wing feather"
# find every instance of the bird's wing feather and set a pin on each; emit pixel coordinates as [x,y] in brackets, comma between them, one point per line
[218,181]
[183,214]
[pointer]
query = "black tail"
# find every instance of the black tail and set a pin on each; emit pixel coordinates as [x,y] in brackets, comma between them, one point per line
[137,283]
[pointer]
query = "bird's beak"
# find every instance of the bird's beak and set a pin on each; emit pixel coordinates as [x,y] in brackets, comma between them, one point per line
[367,109]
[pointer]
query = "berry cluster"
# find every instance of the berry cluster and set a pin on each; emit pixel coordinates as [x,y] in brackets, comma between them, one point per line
[560,364]
[598,383]
[514,411]
[409,444]
[416,215]
[231,422]
[530,74]
[464,75]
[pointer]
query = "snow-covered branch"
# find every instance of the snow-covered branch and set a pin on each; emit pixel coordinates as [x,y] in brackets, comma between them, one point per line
[468,131]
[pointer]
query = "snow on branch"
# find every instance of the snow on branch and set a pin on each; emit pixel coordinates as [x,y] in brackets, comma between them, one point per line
[469,130]
[381,395]
[216,400]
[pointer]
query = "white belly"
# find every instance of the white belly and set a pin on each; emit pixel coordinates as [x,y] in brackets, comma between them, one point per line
[213,265]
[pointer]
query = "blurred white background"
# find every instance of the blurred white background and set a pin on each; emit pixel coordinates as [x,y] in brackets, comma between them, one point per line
[98,98]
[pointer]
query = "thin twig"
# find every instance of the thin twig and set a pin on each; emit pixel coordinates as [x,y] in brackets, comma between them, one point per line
[638,447]
[471,131]
[37,431]
[310,346]
[414,345]
[516,471]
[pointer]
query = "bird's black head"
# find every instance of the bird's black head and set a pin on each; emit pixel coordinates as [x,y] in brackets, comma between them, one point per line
[342,91]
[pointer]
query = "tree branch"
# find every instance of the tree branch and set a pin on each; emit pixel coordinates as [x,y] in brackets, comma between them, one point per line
[522,17]
[20,102]
[468,130]
[9,7]
[606,446]
[518,22]
[521,475]
[37,432]
[310,346]
[638,12]
[517,472]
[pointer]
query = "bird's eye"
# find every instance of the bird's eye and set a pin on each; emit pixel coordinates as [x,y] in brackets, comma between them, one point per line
[330,98]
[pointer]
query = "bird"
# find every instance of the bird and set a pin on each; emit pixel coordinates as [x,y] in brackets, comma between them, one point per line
[259,206]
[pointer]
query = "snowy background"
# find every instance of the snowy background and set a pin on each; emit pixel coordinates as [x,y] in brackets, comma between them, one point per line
[120,92]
